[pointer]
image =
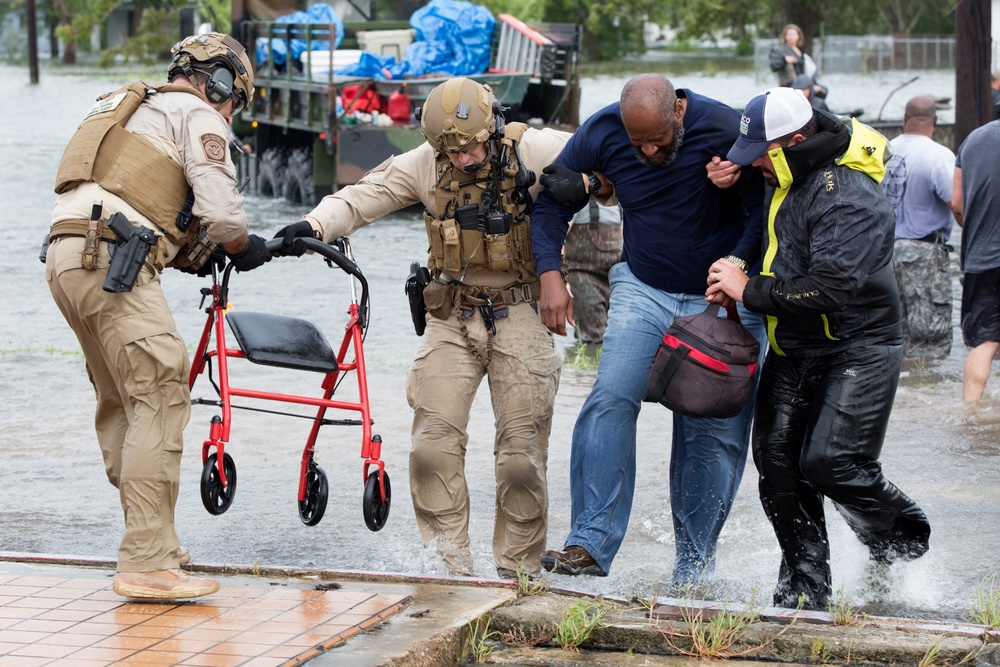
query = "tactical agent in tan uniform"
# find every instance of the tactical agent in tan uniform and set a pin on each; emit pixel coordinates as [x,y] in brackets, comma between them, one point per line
[143,152]
[475,179]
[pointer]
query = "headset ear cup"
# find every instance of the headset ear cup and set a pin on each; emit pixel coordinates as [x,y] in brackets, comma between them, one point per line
[499,121]
[219,86]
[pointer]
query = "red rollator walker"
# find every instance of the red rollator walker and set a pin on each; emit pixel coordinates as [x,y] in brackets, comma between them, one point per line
[289,342]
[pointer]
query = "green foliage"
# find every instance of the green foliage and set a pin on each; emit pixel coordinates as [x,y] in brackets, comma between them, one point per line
[76,18]
[648,601]
[611,30]
[579,358]
[578,622]
[13,43]
[158,31]
[526,585]
[216,12]
[930,658]
[712,638]
[715,637]
[396,10]
[820,652]
[478,638]
[709,19]
[527,10]
[986,611]
[843,612]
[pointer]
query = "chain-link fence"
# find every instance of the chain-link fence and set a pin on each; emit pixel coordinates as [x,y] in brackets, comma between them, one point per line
[871,54]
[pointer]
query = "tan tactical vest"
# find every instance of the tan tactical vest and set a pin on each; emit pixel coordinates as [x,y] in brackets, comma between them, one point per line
[127,163]
[453,248]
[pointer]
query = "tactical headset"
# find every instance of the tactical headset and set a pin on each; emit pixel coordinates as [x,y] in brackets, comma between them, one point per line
[219,86]
[220,57]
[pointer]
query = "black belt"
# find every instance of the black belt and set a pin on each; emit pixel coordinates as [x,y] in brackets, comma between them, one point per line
[933,237]
[937,238]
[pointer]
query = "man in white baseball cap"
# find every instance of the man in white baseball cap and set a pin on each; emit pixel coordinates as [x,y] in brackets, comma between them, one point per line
[768,117]
[828,289]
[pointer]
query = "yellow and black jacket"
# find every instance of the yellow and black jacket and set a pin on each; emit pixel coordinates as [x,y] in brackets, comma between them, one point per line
[827,281]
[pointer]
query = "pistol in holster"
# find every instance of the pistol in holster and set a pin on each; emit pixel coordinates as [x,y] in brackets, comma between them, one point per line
[419,277]
[128,253]
[45,248]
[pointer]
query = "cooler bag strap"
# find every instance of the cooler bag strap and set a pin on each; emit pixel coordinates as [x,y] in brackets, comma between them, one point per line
[732,313]
[668,360]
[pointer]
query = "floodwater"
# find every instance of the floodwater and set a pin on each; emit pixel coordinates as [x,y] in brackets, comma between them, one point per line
[54,498]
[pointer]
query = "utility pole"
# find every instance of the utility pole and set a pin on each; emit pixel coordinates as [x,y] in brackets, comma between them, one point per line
[973,103]
[31,12]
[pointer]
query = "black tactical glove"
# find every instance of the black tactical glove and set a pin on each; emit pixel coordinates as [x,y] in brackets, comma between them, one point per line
[565,186]
[255,254]
[289,246]
[218,258]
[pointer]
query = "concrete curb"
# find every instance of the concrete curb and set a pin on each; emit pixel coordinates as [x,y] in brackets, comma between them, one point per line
[778,635]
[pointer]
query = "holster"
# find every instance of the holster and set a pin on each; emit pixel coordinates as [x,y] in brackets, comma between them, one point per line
[129,254]
[415,284]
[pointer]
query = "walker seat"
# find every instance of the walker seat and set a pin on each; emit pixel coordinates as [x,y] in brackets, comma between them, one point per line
[278,340]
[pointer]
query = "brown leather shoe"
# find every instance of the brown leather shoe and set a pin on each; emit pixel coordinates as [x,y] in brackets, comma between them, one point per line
[163,584]
[574,561]
[183,556]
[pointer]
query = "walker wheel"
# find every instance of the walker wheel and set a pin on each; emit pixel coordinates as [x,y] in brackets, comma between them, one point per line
[376,511]
[214,496]
[311,509]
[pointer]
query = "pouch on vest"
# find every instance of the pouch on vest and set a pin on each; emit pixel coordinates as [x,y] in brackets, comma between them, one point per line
[445,238]
[705,365]
[439,299]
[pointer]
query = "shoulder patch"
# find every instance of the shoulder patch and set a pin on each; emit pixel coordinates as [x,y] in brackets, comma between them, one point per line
[215,147]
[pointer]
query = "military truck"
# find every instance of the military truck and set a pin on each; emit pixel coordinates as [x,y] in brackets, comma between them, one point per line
[313,131]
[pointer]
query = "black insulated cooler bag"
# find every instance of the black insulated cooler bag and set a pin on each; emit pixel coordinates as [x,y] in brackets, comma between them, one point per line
[705,365]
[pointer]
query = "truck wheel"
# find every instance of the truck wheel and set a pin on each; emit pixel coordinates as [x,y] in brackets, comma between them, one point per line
[271,173]
[299,178]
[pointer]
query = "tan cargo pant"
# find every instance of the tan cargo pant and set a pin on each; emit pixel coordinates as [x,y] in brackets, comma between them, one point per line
[523,376]
[139,367]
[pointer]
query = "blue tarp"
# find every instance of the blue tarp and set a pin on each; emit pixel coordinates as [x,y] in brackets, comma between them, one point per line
[453,38]
[321,13]
[373,66]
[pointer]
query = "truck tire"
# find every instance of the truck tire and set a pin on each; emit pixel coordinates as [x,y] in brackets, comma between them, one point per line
[299,178]
[271,173]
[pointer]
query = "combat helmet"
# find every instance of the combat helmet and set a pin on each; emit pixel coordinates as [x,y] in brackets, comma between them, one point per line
[201,52]
[459,113]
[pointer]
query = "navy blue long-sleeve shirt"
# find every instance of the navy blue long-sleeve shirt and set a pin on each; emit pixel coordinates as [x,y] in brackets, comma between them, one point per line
[676,222]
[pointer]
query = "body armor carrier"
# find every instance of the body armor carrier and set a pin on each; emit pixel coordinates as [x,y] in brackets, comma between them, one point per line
[129,165]
[482,218]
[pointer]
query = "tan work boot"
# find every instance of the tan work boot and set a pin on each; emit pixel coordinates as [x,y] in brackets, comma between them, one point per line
[183,556]
[163,584]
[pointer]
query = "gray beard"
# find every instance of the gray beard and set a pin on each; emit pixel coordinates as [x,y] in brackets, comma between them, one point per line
[668,153]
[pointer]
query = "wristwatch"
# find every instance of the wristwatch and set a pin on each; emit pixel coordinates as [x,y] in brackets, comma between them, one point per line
[737,261]
[594,184]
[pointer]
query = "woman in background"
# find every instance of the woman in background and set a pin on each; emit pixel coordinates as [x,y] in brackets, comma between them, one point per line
[788,61]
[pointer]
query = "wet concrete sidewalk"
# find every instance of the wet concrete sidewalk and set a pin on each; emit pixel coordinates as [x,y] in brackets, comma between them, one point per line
[61,611]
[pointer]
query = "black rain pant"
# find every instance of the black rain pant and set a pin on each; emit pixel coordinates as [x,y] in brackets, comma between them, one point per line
[818,431]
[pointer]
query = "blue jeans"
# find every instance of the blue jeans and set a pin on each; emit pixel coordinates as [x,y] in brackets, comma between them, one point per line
[707,455]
